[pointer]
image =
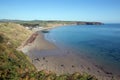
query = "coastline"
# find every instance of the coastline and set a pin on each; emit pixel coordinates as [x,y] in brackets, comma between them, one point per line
[46,56]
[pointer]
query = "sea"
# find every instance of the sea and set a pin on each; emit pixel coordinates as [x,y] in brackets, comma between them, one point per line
[100,43]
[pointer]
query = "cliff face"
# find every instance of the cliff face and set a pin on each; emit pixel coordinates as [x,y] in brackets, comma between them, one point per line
[89,23]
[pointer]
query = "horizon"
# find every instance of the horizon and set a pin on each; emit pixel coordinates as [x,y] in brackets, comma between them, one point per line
[61,10]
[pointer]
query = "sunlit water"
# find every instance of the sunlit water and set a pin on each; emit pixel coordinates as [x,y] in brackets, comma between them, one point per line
[101,43]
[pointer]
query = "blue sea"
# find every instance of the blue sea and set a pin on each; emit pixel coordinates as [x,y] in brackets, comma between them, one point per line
[100,43]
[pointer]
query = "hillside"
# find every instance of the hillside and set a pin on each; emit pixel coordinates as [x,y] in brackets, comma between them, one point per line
[15,32]
[14,65]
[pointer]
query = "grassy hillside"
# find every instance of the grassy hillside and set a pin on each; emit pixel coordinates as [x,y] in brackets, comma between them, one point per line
[15,32]
[14,65]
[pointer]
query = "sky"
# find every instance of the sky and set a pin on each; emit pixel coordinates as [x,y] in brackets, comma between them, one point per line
[107,11]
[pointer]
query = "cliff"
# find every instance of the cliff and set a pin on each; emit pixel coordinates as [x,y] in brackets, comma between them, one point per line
[89,23]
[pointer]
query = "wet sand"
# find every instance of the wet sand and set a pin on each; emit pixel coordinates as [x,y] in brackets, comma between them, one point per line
[46,56]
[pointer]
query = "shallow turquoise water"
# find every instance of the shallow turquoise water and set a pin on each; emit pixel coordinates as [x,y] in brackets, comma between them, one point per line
[101,43]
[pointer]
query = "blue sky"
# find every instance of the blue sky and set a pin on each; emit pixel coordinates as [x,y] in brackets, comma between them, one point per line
[81,10]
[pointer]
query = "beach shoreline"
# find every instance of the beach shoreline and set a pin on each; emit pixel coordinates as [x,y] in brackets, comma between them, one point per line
[47,56]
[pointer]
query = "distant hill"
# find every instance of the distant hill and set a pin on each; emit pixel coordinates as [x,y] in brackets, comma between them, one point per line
[50,23]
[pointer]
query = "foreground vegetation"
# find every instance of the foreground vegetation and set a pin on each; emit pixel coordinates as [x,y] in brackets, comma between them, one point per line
[14,65]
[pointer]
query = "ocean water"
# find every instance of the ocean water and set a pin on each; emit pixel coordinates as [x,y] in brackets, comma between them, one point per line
[100,43]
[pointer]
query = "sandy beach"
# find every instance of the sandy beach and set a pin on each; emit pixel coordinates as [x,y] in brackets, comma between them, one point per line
[46,56]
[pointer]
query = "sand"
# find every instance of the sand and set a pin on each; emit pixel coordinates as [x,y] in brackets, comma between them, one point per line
[46,56]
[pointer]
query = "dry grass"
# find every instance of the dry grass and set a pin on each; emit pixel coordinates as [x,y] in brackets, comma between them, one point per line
[15,32]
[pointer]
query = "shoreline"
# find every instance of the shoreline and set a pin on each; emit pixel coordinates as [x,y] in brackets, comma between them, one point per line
[46,56]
